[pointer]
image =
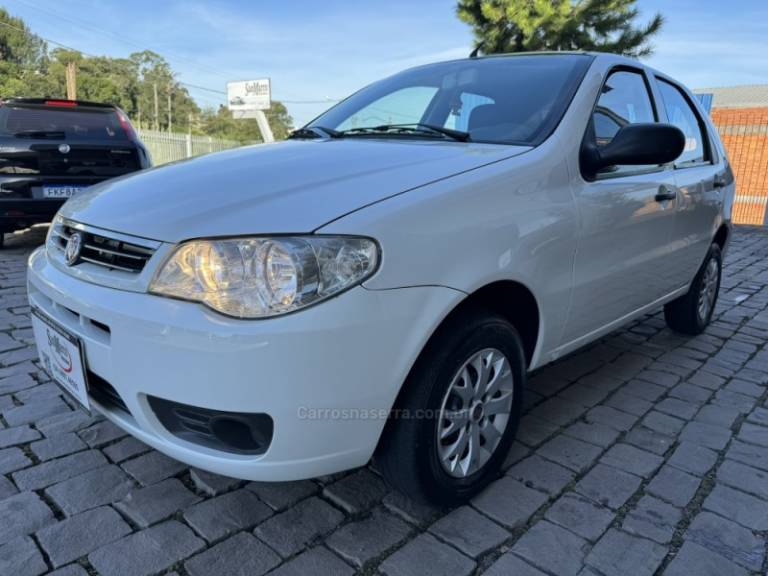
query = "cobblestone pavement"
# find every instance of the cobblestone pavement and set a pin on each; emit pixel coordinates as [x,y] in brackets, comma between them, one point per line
[645,454]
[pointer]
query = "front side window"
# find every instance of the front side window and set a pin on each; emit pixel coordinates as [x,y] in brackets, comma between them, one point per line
[680,114]
[624,100]
[500,100]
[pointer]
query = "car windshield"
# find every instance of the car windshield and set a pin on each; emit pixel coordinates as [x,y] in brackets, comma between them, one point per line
[502,100]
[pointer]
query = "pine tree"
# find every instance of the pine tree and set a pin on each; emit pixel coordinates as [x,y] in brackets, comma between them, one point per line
[529,25]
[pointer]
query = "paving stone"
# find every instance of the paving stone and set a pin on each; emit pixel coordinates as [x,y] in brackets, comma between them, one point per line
[57,446]
[629,403]
[631,459]
[552,549]
[533,431]
[678,408]
[697,460]
[146,552]
[674,486]
[101,433]
[17,435]
[644,390]
[317,561]
[536,472]
[23,514]
[425,550]
[690,393]
[65,422]
[226,514]
[738,506]
[717,415]
[152,467]
[510,565]
[708,435]
[16,382]
[6,488]
[746,388]
[580,516]
[649,440]
[145,506]
[91,489]
[79,535]
[29,413]
[570,452]
[744,478]
[280,495]
[608,486]
[469,531]
[665,379]
[618,554]
[663,423]
[695,559]
[753,434]
[727,539]
[359,542]
[558,411]
[756,456]
[47,391]
[357,492]
[212,484]
[54,471]
[593,432]
[611,417]
[290,531]
[740,402]
[758,416]
[651,518]
[126,448]
[240,555]
[509,502]
[20,557]
[12,459]
[409,510]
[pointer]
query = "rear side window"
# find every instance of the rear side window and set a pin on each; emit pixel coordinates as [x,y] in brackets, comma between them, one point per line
[680,114]
[77,123]
[624,100]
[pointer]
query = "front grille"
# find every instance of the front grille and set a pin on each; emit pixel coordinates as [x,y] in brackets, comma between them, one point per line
[99,249]
[105,394]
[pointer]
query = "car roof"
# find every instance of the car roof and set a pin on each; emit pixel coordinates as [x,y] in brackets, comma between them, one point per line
[44,101]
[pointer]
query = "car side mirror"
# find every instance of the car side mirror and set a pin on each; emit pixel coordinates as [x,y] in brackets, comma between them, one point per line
[634,144]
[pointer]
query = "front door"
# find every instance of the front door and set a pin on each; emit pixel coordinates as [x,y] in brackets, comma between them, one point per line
[627,218]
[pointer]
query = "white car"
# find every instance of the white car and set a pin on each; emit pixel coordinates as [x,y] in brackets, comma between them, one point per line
[380,284]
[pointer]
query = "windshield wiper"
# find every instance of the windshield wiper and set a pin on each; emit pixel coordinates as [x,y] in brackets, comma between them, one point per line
[40,134]
[314,132]
[415,127]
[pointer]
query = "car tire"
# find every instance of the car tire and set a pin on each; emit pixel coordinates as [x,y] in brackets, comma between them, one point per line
[415,452]
[691,313]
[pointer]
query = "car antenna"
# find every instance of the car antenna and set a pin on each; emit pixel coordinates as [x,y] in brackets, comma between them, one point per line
[476,51]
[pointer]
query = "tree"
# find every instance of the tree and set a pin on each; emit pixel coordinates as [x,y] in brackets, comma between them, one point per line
[529,25]
[23,58]
[220,124]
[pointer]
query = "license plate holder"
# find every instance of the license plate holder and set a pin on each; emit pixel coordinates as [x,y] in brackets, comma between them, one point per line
[62,356]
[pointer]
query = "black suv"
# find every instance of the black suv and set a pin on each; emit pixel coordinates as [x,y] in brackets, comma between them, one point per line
[52,149]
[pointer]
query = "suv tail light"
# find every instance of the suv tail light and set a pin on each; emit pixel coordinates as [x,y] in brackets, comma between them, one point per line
[126,125]
[61,103]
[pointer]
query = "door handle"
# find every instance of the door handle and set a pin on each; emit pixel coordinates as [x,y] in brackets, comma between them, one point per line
[665,193]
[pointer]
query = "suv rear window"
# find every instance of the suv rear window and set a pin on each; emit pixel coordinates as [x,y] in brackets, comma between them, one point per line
[76,123]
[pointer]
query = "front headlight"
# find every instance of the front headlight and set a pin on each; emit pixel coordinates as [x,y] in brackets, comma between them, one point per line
[262,277]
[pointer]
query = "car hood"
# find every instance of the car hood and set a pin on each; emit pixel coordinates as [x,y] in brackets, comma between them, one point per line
[287,187]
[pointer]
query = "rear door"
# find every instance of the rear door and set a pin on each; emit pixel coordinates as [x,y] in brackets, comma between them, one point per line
[700,177]
[51,149]
[627,217]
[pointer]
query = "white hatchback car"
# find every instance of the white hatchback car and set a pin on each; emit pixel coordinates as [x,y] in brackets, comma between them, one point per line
[380,284]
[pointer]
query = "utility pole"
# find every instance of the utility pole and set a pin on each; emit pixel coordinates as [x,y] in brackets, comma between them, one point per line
[71,76]
[157,107]
[170,115]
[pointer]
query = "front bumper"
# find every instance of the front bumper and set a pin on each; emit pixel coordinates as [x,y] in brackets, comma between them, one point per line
[326,375]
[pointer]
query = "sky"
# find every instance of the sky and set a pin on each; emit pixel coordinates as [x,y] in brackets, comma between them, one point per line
[316,52]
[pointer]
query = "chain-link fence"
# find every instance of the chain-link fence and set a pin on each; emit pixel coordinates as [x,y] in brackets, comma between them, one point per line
[168,147]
